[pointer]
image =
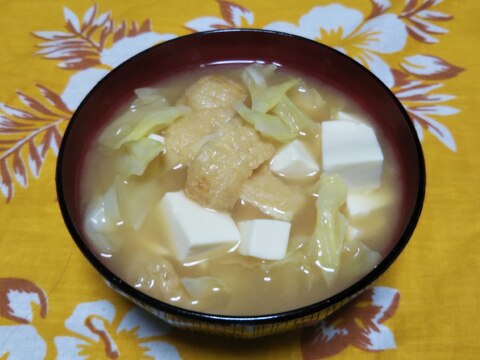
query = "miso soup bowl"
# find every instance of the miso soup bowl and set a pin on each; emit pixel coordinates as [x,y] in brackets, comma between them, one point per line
[242,46]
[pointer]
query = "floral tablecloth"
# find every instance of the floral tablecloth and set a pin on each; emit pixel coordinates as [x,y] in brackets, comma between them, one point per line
[52,302]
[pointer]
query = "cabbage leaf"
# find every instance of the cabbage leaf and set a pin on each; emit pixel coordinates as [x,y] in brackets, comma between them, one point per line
[268,125]
[138,155]
[102,217]
[264,97]
[137,124]
[258,73]
[294,118]
[148,95]
[309,101]
[207,293]
[325,247]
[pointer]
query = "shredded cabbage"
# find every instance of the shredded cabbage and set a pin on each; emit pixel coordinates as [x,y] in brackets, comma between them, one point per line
[138,155]
[328,236]
[272,113]
[264,97]
[294,118]
[102,216]
[207,292]
[149,123]
[137,124]
[156,276]
[359,258]
[268,125]
[136,197]
[149,95]
[258,73]
[137,110]
[308,100]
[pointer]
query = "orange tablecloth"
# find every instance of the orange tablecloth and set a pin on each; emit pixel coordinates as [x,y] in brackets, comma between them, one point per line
[52,302]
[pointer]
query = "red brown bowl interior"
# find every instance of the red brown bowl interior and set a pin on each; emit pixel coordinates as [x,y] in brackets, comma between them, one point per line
[190,52]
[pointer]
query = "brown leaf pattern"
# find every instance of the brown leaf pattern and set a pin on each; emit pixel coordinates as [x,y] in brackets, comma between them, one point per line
[429,67]
[27,135]
[109,345]
[8,285]
[379,7]
[423,105]
[353,325]
[227,9]
[419,18]
[232,16]
[81,45]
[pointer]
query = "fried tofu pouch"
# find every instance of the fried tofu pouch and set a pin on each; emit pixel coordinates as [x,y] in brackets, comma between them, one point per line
[272,196]
[213,92]
[186,136]
[211,99]
[216,176]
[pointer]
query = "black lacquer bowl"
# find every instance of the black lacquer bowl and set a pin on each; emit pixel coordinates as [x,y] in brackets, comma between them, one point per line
[226,46]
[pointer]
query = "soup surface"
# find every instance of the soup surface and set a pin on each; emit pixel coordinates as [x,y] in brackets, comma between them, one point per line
[245,143]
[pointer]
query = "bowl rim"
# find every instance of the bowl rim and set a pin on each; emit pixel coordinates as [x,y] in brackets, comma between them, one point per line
[278,317]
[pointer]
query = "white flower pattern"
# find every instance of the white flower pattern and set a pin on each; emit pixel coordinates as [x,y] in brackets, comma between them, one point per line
[92,322]
[347,30]
[83,81]
[33,346]
[18,299]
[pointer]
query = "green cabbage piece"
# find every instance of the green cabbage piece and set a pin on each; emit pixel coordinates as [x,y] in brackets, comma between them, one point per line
[272,113]
[138,109]
[308,100]
[268,125]
[155,275]
[138,155]
[137,124]
[136,197]
[207,292]
[102,217]
[294,118]
[360,258]
[325,247]
[258,73]
[264,97]
[148,95]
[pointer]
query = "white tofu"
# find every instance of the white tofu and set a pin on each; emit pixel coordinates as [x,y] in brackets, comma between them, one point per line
[195,230]
[294,160]
[353,233]
[361,204]
[352,151]
[342,115]
[264,239]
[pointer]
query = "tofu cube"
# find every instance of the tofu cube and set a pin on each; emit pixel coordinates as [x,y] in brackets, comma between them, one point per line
[193,229]
[352,151]
[353,234]
[294,160]
[361,204]
[264,239]
[342,115]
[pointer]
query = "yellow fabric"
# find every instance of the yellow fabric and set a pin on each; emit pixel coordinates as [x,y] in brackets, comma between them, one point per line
[434,282]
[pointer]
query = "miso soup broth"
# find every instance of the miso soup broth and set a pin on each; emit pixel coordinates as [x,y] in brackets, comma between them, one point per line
[243,142]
